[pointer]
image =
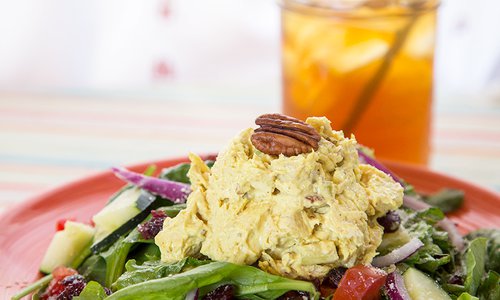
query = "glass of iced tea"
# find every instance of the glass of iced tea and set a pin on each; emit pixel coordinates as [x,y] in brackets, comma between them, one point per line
[367,66]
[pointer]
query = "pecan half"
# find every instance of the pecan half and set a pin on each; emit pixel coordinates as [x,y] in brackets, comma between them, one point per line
[280,134]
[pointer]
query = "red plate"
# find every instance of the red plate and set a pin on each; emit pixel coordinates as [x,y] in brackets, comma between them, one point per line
[26,230]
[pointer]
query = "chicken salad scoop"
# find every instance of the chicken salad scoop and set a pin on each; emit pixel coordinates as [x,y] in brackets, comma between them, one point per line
[293,215]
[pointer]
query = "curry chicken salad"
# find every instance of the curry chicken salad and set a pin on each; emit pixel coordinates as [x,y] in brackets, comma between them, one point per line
[289,210]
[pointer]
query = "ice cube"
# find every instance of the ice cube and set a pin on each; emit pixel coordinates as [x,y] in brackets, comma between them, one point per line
[421,38]
[357,56]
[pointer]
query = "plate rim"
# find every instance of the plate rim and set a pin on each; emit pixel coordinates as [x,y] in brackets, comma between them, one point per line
[32,201]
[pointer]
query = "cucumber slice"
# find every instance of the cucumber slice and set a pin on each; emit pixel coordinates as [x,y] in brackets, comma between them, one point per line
[116,213]
[146,202]
[394,240]
[66,245]
[422,287]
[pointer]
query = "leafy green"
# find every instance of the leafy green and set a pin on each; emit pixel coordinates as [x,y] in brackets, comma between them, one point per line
[455,289]
[490,287]
[475,262]
[250,282]
[94,268]
[92,291]
[467,296]
[148,252]
[179,172]
[117,254]
[136,273]
[448,200]
[107,266]
[493,250]
[472,266]
[437,250]
[115,258]
[172,211]
[430,216]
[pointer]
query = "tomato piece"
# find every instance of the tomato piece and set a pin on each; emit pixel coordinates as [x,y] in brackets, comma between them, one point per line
[361,283]
[326,291]
[56,286]
[60,223]
[62,272]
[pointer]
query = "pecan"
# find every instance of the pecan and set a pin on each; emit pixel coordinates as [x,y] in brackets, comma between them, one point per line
[280,134]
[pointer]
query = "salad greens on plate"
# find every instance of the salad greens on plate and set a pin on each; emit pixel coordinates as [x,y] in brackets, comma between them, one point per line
[421,255]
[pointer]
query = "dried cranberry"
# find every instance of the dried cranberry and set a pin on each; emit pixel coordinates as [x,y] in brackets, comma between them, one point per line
[66,284]
[390,221]
[223,292]
[294,295]
[151,228]
[74,285]
[332,279]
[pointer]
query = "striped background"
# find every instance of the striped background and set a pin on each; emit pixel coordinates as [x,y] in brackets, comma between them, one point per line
[46,141]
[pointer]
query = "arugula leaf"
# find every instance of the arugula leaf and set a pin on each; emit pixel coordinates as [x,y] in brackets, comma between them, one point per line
[448,200]
[137,273]
[92,291]
[179,172]
[250,282]
[474,262]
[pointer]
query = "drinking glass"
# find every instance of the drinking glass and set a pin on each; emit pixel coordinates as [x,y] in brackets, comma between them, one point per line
[367,66]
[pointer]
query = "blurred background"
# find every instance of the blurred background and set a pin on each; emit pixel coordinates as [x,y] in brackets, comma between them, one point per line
[89,84]
[162,47]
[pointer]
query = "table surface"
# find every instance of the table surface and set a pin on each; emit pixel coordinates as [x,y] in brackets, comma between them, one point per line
[47,141]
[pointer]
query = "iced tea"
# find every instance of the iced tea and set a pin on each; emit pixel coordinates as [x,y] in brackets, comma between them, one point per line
[368,68]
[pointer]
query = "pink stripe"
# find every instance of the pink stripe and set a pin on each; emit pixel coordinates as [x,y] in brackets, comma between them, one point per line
[18,186]
[467,151]
[194,120]
[468,134]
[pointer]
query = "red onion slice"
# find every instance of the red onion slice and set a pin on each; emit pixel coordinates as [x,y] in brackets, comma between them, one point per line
[395,287]
[446,224]
[175,191]
[414,203]
[366,159]
[455,237]
[193,294]
[398,254]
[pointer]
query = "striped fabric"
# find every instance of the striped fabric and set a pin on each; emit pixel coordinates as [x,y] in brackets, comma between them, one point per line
[46,141]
